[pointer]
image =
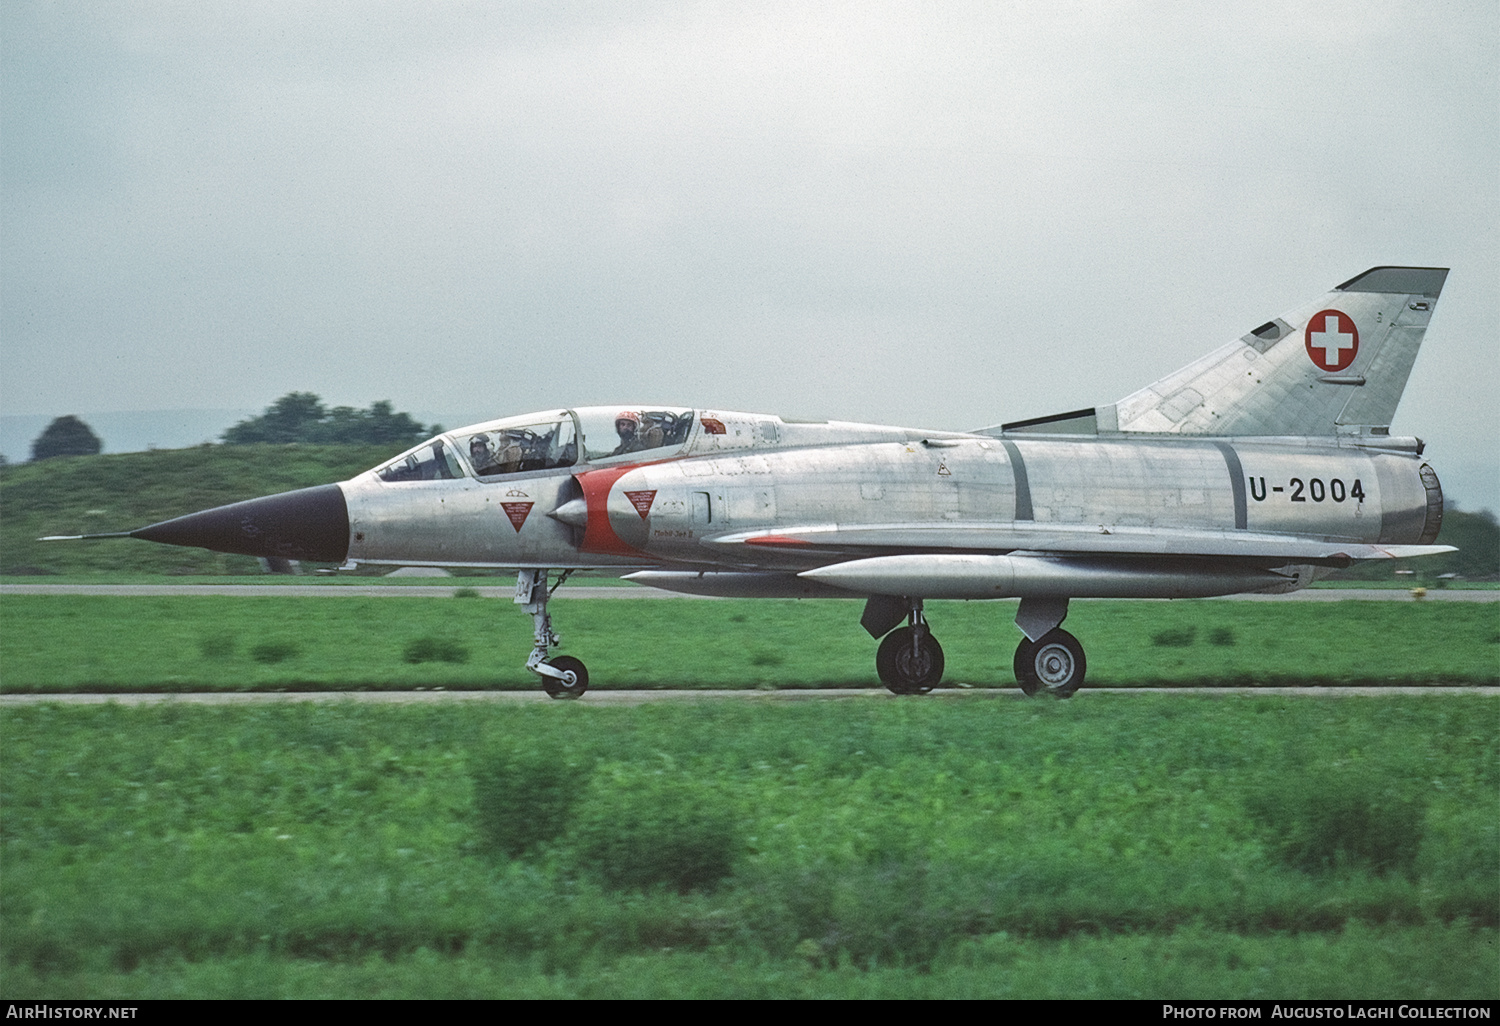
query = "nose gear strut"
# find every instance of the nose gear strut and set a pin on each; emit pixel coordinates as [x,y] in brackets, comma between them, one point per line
[563,676]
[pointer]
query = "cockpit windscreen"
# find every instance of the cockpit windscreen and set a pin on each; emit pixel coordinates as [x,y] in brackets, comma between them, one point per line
[610,431]
[544,441]
[509,447]
[430,461]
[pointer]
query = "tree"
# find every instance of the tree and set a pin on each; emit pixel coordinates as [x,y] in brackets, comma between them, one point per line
[301,417]
[66,436]
[295,417]
[1475,535]
[386,427]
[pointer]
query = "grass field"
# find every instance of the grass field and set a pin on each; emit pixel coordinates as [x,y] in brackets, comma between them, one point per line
[67,643]
[1112,846]
[1120,846]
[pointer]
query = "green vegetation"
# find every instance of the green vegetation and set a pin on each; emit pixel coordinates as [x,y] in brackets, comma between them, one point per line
[524,796]
[97,494]
[94,643]
[273,652]
[1186,963]
[641,826]
[1122,846]
[1175,637]
[430,649]
[66,436]
[1342,822]
[302,417]
[1477,537]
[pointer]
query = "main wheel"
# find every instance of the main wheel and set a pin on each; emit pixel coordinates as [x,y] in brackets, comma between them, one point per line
[905,672]
[1054,663]
[1025,676]
[575,682]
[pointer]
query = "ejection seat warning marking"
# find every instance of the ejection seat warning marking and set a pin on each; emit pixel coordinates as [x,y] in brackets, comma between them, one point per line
[641,501]
[1332,340]
[517,512]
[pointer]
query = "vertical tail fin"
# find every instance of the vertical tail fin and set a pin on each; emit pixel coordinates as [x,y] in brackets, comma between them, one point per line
[1338,364]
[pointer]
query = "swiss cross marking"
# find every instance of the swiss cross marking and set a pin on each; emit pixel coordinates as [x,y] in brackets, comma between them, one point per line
[642,501]
[517,512]
[1332,340]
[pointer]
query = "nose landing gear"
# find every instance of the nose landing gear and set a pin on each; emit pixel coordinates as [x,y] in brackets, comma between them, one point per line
[563,676]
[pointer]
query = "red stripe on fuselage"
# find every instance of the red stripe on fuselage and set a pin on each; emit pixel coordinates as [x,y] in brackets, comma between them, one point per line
[598,533]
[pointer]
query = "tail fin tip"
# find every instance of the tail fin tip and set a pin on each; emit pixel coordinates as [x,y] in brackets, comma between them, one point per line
[1411,281]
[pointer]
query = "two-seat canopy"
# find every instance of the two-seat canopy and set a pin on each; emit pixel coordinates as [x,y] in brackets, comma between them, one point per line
[545,441]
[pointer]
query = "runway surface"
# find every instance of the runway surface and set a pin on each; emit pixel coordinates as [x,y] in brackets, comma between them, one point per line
[746,695]
[338,590]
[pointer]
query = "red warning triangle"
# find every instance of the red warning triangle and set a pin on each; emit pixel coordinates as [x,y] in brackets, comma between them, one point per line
[642,501]
[517,512]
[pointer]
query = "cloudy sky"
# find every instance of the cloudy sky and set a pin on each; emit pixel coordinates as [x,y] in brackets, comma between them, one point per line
[938,214]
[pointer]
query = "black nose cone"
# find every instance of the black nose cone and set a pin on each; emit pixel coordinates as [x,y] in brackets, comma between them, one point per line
[310,524]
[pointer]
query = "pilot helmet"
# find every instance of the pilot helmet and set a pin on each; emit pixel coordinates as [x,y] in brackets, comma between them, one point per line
[628,417]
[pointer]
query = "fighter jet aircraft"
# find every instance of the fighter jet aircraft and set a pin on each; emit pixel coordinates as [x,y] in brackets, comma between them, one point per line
[1257,468]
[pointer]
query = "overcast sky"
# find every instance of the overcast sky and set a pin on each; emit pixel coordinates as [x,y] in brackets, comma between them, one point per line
[936,214]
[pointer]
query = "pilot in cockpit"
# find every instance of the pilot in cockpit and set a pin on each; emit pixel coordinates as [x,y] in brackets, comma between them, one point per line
[632,437]
[479,455]
[627,426]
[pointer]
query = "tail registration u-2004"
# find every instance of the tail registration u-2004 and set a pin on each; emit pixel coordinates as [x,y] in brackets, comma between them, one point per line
[1254,469]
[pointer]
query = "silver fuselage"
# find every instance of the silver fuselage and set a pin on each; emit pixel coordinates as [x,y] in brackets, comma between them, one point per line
[720,501]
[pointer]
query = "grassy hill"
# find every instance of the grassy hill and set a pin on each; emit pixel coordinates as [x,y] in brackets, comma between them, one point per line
[93,494]
[1477,538]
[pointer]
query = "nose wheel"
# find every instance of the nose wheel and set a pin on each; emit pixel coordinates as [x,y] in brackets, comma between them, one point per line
[573,682]
[1054,663]
[562,676]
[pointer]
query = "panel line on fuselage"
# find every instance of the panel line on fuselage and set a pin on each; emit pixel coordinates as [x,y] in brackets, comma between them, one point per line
[1237,480]
[1023,484]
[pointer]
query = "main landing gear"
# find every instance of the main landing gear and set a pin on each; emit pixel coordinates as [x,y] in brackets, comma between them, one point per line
[1054,663]
[562,676]
[1048,658]
[909,660]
